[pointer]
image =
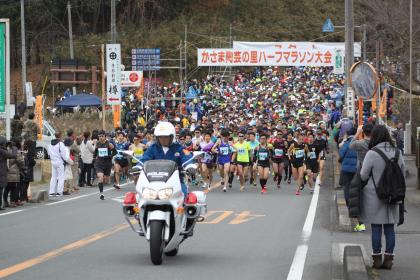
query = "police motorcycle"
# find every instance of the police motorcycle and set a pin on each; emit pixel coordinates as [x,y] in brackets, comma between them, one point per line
[160,212]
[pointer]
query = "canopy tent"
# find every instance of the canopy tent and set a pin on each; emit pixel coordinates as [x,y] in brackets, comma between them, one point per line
[82,100]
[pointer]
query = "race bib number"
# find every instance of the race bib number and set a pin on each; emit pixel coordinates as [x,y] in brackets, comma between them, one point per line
[300,153]
[241,151]
[224,151]
[102,152]
[312,155]
[262,155]
[278,152]
[207,156]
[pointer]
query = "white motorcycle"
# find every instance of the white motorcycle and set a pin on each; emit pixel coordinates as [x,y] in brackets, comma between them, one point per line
[159,208]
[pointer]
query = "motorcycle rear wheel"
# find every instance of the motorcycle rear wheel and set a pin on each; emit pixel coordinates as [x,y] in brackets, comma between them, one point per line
[157,242]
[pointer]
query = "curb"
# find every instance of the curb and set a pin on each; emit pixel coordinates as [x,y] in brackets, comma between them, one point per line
[344,222]
[354,266]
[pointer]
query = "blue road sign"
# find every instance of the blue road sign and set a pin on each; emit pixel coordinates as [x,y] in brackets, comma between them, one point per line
[328,26]
[145,59]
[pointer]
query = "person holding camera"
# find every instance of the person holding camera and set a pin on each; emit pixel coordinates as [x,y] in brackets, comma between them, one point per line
[4,156]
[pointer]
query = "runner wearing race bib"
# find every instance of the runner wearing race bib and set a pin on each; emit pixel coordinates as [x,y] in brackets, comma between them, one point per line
[297,153]
[262,156]
[224,150]
[207,160]
[253,143]
[278,156]
[242,150]
[312,162]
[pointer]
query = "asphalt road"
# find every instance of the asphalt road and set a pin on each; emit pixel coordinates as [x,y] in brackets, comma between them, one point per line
[245,236]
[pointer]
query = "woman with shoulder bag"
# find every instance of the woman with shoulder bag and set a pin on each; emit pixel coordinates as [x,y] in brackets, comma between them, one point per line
[13,174]
[374,211]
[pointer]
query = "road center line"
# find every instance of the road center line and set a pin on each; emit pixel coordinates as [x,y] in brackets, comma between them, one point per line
[298,264]
[60,251]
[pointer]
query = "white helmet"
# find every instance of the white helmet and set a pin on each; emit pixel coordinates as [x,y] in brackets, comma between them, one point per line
[165,129]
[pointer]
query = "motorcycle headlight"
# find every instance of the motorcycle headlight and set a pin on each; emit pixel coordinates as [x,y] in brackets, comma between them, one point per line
[165,193]
[149,194]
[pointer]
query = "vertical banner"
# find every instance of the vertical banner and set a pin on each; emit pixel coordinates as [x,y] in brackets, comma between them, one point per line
[382,106]
[113,74]
[116,109]
[2,65]
[360,100]
[38,114]
[350,102]
[338,62]
[29,94]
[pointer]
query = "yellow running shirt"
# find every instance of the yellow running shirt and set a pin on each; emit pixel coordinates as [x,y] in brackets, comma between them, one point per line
[242,151]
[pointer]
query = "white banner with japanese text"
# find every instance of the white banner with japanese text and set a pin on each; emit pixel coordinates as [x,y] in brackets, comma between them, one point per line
[113,74]
[273,54]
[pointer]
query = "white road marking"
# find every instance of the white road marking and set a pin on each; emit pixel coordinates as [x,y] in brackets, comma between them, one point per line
[298,264]
[12,212]
[61,201]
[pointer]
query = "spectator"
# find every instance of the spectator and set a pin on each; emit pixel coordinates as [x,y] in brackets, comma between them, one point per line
[87,150]
[13,174]
[68,174]
[75,156]
[361,146]
[348,159]
[59,156]
[398,135]
[381,216]
[4,155]
[31,128]
[16,127]
[28,175]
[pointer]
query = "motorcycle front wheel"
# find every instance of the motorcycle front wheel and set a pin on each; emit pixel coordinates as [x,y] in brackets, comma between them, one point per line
[157,242]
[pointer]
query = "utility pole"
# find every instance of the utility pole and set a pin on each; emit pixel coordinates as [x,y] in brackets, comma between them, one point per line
[349,48]
[71,37]
[185,53]
[407,146]
[22,31]
[181,85]
[364,42]
[113,23]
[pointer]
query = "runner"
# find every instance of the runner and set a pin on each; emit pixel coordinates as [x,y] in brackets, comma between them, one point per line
[312,162]
[207,161]
[241,156]
[253,143]
[138,149]
[120,163]
[223,148]
[297,156]
[262,156]
[278,155]
[104,151]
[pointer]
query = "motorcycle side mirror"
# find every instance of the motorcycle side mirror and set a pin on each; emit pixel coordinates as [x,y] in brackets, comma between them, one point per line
[197,154]
[135,170]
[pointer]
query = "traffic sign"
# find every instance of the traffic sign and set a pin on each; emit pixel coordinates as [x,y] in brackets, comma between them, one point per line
[145,59]
[113,79]
[328,26]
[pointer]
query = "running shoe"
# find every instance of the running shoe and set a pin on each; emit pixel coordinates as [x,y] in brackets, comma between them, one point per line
[102,197]
[302,186]
[312,190]
[242,188]
[255,184]
[285,178]
[224,189]
[230,186]
[275,178]
[204,186]
[289,181]
[297,192]
[360,228]
[117,187]
[278,186]
[263,190]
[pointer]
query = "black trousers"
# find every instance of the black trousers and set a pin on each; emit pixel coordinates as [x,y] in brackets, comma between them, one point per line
[11,189]
[23,191]
[1,196]
[85,175]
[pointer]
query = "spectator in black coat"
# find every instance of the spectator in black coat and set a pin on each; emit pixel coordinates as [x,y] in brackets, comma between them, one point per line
[4,155]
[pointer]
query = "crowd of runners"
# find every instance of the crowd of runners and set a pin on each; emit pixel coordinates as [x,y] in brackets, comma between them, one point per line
[268,124]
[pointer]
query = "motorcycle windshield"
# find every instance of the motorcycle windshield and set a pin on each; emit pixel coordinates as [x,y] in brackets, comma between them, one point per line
[159,170]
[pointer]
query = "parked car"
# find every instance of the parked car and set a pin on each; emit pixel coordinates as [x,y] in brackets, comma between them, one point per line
[48,134]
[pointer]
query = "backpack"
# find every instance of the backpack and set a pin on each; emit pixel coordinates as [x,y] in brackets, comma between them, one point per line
[391,185]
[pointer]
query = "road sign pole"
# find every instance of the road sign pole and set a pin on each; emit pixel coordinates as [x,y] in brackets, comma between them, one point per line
[103,84]
[349,48]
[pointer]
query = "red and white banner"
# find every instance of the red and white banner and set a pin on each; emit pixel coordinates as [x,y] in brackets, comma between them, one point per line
[273,54]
